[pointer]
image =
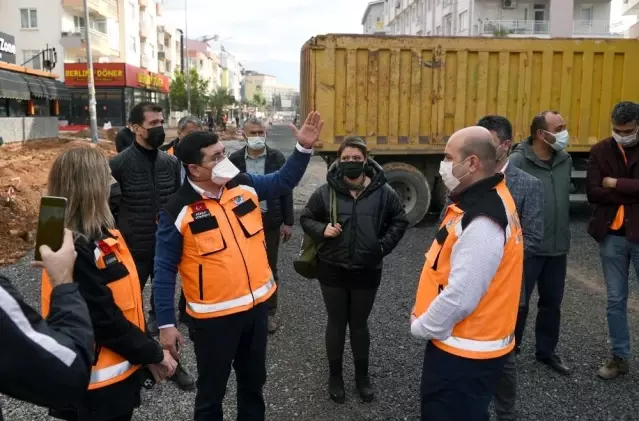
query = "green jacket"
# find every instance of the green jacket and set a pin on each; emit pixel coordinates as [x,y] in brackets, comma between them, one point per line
[556,187]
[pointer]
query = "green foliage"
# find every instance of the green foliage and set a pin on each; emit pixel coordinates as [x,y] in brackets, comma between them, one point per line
[199,93]
[219,99]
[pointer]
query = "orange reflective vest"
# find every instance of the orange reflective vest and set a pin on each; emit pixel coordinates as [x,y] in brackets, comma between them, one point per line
[170,151]
[224,267]
[488,332]
[113,257]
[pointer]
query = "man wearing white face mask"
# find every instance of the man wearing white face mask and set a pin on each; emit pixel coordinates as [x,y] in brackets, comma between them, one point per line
[277,213]
[542,155]
[211,232]
[466,308]
[613,189]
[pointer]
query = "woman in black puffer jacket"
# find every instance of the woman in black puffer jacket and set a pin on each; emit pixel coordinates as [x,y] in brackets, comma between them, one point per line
[371,221]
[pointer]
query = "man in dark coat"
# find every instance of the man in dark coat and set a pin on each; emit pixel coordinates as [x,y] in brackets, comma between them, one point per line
[277,214]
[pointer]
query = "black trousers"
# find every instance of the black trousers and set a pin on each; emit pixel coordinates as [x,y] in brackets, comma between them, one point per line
[237,340]
[549,273]
[455,388]
[348,307]
[272,238]
[145,271]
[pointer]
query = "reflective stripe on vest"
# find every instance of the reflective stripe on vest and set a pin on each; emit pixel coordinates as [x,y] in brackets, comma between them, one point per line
[122,280]
[488,331]
[224,266]
[109,373]
[237,302]
[479,346]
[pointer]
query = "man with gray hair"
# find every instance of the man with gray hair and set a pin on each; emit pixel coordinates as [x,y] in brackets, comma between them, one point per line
[466,308]
[186,125]
[277,213]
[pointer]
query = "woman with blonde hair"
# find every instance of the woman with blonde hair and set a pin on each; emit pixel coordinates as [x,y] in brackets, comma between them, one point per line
[108,281]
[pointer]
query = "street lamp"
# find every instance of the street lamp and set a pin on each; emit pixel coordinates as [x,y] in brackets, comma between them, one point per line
[90,81]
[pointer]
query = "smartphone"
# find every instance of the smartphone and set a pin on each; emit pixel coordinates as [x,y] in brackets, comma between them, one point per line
[50,224]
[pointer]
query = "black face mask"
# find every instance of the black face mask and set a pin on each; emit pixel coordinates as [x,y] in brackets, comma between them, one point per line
[351,169]
[155,136]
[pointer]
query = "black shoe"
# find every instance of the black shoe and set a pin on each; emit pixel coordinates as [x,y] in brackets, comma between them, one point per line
[363,382]
[554,362]
[336,382]
[183,379]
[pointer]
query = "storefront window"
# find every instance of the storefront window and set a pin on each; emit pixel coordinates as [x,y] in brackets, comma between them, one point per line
[109,105]
[41,107]
[16,108]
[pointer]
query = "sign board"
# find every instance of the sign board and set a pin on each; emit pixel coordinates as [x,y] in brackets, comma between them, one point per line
[116,75]
[7,48]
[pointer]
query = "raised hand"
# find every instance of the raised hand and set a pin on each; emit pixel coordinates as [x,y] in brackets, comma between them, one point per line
[309,133]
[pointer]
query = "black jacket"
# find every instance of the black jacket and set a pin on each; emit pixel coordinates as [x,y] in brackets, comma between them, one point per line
[124,139]
[114,331]
[280,209]
[46,363]
[146,182]
[372,225]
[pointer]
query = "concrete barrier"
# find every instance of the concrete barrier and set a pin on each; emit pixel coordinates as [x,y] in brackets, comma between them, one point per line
[19,129]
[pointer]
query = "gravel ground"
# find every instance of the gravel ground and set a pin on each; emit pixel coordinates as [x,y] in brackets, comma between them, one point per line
[296,385]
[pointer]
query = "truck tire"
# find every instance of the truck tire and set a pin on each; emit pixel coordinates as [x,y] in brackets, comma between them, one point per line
[412,188]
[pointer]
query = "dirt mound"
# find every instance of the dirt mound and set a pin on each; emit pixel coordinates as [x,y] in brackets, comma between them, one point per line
[24,169]
[86,133]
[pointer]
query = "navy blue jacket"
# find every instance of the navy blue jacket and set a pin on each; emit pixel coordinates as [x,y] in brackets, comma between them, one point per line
[168,248]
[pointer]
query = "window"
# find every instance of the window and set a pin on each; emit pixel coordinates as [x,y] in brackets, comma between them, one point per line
[587,13]
[29,18]
[463,21]
[152,51]
[438,30]
[133,44]
[35,64]
[78,23]
[99,25]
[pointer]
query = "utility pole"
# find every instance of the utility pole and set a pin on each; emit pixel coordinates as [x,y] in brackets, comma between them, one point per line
[188,70]
[90,81]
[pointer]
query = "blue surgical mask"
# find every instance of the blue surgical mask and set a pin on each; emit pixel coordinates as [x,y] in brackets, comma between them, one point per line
[561,140]
[256,143]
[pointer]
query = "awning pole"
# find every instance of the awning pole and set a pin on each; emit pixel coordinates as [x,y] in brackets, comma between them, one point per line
[91,85]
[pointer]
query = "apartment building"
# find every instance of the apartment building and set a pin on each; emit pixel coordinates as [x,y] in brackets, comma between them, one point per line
[169,50]
[207,63]
[231,73]
[258,83]
[373,19]
[631,8]
[513,18]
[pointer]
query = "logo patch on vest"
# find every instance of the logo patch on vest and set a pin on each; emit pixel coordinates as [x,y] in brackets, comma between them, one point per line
[200,211]
[238,200]
[110,260]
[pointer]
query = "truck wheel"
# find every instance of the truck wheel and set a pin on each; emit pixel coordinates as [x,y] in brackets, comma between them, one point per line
[412,188]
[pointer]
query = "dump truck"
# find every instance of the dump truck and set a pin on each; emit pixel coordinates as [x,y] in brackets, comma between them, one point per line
[406,95]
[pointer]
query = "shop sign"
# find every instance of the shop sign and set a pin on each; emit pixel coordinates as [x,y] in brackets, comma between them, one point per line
[7,48]
[141,78]
[104,74]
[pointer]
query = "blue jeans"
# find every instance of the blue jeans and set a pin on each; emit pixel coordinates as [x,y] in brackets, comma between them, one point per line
[616,255]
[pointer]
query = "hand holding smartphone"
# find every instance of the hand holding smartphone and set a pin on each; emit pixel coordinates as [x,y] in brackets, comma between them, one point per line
[50,224]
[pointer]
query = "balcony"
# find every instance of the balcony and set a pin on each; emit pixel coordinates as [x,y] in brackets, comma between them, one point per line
[74,43]
[144,31]
[103,8]
[144,61]
[522,28]
[630,7]
[597,29]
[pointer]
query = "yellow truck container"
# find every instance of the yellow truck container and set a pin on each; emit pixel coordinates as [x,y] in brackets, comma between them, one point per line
[406,95]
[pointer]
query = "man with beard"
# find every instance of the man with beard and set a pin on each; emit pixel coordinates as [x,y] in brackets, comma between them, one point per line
[146,179]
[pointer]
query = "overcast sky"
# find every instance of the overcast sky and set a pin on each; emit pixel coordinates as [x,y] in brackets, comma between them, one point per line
[267,36]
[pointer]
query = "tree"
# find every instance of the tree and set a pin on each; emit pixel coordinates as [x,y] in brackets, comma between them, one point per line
[199,93]
[221,98]
[258,100]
